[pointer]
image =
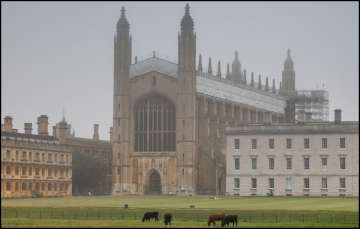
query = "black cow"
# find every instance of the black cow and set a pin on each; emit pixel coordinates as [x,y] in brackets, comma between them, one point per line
[229,219]
[167,218]
[150,215]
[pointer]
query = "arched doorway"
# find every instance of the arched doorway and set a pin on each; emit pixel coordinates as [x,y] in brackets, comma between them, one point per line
[154,183]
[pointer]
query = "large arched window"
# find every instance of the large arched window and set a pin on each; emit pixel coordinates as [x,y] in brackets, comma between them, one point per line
[154,125]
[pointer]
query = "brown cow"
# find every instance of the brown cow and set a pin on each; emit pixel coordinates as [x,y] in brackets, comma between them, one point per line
[213,218]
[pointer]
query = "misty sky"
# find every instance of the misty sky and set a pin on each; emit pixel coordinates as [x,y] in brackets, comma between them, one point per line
[59,55]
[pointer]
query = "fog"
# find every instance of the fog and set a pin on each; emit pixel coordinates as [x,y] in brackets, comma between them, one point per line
[59,55]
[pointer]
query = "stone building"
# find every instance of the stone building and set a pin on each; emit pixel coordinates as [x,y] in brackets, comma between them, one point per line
[169,118]
[56,165]
[91,160]
[316,159]
[33,163]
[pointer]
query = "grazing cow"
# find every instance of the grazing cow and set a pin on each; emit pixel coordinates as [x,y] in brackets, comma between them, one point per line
[213,218]
[151,215]
[229,219]
[167,218]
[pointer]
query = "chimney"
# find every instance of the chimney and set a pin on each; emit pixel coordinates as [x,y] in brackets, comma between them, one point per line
[96,132]
[337,116]
[43,125]
[28,127]
[8,123]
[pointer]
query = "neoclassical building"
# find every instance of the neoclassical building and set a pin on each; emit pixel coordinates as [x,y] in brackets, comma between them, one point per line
[169,118]
[300,159]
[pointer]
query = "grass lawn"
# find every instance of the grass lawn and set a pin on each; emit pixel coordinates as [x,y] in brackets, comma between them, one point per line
[135,223]
[200,202]
[108,211]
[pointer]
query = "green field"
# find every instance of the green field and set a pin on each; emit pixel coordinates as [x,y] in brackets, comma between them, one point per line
[107,211]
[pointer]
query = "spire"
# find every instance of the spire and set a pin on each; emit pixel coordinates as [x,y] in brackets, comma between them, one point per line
[236,68]
[273,89]
[228,76]
[267,84]
[280,87]
[219,70]
[154,54]
[289,64]
[123,23]
[200,64]
[259,82]
[122,46]
[210,68]
[288,76]
[187,44]
[244,77]
[63,116]
[252,80]
[187,24]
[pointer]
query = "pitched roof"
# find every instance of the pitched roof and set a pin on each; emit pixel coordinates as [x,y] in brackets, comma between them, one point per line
[212,86]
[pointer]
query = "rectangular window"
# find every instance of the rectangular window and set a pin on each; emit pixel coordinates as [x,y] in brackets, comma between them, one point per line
[271,143]
[288,183]
[253,163]
[342,162]
[17,155]
[324,182]
[306,163]
[324,161]
[253,143]
[253,182]
[8,154]
[306,143]
[236,182]
[237,163]
[342,142]
[30,156]
[288,143]
[306,183]
[30,171]
[8,170]
[23,157]
[271,183]
[23,171]
[324,143]
[237,143]
[288,163]
[342,182]
[271,163]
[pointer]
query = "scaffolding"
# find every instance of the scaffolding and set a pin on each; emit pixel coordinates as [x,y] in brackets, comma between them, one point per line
[312,106]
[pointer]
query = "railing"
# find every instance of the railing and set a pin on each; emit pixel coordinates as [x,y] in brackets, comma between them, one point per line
[195,215]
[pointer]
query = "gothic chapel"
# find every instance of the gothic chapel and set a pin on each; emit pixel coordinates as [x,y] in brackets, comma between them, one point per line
[169,118]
